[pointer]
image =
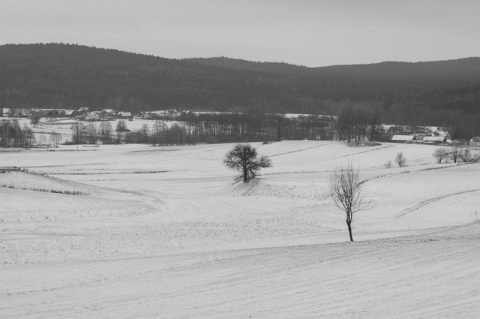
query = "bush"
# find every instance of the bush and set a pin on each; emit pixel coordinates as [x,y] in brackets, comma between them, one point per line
[401,160]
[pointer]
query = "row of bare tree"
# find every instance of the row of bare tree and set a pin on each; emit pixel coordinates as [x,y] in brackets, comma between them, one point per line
[356,124]
[210,128]
[13,135]
[456,154]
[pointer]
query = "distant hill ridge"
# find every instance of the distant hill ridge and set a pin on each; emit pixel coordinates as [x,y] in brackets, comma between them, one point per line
[459,67]
[70,76]
[239,64]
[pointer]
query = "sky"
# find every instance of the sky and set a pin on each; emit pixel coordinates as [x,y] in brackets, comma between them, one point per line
[304,32]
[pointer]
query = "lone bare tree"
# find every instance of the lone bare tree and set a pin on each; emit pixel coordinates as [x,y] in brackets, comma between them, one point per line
[243,158]
[400,160]
[346,192]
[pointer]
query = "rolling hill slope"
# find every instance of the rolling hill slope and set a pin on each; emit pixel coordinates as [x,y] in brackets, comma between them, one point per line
[181,240]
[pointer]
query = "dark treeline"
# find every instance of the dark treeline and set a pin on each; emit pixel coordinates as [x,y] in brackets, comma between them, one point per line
[443,93]
[209,128]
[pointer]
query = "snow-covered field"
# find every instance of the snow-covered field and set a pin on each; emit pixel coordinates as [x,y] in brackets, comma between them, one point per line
[135,231]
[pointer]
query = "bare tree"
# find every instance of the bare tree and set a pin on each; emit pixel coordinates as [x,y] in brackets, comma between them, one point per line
[159,128]
[55,138]
[121,126]
[243,158]
[469,157]
[144,131]
[91,133]
[346,192]
[455,152]
[29,135]
[35,120]
[375,124]
[440,154]
[400,160]
[105,131]
[77,133]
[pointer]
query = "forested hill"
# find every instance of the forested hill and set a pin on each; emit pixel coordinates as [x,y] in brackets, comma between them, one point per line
[238,64]
[467,69]
[69,76]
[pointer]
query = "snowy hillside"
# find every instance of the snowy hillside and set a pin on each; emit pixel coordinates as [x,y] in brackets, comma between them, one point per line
[135,231]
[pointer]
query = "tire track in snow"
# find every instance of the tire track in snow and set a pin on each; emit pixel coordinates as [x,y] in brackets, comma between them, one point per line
[408,172]
[367,151]
[430,201]
[393,278]
[296,151]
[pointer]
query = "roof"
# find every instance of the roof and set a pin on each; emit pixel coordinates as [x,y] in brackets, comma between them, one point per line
[434,138]
[403,137]
[124,113]
[475,139]
[441,133]
[165,112]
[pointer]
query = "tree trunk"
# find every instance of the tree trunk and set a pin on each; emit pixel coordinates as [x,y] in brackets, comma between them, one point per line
[245,175]
[350,230]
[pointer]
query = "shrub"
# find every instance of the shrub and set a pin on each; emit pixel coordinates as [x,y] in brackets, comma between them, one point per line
[401,160]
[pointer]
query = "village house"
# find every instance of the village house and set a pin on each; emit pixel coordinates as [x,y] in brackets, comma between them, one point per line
[108,113]
[124,115]
[172,113]
[4,111]
[81,112]
[69,112]
[92,116]
[403,138]
[475,141]
[438,137]
[434,139]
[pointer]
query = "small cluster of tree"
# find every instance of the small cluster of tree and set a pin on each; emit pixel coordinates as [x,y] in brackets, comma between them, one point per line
[455,153]
[209,128]
[251,127]
[13,135]
[399,159]
[357,124]
[93,133]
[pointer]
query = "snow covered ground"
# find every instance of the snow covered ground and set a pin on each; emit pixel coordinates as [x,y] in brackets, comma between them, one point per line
[135,231]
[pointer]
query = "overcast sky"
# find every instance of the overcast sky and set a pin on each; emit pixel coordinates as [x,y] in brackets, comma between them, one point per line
[306,32]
